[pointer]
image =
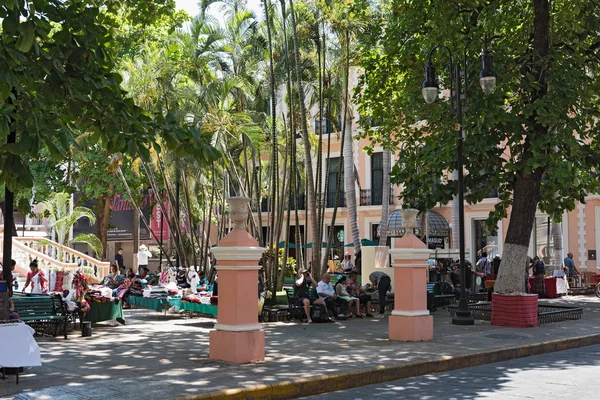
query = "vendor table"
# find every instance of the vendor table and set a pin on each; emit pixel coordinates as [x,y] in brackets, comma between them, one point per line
[18,348]
[198,307]
[155,304]
[549,287]
[105,312]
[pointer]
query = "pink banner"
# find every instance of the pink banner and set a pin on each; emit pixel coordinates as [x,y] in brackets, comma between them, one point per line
[155,223]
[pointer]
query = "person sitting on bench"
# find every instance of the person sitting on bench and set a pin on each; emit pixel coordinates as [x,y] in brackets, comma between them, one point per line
[342,293]
[302,286]
[327,294]
[355,290]
[454,279]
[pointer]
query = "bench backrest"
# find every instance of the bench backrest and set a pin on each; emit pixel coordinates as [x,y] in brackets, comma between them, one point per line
[430,287]
[34,306]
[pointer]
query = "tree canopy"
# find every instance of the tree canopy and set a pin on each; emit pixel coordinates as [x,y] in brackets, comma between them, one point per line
[535,139]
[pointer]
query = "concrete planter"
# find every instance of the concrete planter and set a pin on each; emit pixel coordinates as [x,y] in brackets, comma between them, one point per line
[518,311]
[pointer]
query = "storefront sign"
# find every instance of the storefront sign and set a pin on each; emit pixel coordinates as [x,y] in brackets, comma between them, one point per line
[435,242]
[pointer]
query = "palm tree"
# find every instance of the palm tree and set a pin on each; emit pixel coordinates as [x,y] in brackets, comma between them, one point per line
[310,179]
[385,203]
[61,219]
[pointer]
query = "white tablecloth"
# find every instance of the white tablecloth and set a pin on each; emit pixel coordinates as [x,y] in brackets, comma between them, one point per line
[18,348]
[561,286]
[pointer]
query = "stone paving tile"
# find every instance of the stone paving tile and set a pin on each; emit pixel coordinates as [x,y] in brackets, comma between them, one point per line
[167,356]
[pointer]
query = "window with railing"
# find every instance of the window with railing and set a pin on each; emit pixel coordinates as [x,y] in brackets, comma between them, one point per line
[326,125]
[366,197]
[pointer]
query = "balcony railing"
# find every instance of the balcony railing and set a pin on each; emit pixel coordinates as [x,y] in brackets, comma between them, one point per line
[370,198]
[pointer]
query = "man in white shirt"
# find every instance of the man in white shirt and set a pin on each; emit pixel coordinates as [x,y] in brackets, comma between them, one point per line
[142,256]
[326,292]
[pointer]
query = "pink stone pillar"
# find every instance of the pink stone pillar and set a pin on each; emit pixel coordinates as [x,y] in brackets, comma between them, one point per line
[239,337]
[410,320]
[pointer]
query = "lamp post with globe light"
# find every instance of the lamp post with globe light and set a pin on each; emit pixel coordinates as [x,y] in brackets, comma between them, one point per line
[430,90]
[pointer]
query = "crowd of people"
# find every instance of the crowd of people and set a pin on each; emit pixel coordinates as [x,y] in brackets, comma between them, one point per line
[346,299]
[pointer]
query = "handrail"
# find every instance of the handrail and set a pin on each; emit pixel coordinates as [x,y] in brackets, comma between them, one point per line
[67,249]
[42,256]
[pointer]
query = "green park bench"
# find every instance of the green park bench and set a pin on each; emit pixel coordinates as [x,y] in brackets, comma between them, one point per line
[40,311]
[441,300]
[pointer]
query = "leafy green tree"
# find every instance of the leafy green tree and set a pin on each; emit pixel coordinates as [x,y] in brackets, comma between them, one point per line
[535,139]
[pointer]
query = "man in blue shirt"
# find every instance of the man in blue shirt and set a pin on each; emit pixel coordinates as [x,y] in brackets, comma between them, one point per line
[569,263]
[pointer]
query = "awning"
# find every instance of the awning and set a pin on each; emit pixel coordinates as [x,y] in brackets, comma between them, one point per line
[438,226]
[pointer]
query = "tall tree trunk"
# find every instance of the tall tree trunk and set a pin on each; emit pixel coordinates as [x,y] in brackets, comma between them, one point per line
[526,193]
[136,234]
[345,108]
[385,203]
[103,220]
[310,179]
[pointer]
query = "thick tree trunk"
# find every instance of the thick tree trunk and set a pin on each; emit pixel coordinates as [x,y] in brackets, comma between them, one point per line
[511,277]
[526,193]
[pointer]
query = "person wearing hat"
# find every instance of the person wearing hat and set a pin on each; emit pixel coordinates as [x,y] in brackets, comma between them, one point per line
[142,256]
[347,263]
[303,285]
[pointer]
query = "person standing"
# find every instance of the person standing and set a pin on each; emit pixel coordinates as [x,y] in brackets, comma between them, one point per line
[383,283]
[539,273]
[119,261]
[37,279]
[569,263]
[142,256]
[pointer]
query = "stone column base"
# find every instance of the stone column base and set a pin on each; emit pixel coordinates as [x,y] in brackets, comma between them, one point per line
[411,329]
[237,347]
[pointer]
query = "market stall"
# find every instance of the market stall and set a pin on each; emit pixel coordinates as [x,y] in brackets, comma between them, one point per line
[105,311]
[155,303]
[550,287]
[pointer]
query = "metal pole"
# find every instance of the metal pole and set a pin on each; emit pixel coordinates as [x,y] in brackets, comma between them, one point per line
[9,200]
[463,314]
[177,184]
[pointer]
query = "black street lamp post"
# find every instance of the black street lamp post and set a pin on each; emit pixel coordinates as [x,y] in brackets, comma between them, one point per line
[430,90]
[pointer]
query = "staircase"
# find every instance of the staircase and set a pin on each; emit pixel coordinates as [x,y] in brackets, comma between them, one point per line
[54,256]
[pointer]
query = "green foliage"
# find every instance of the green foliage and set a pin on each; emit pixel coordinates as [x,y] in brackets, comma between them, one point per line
[57,209]
[517,130]
[91,240]
[58,79]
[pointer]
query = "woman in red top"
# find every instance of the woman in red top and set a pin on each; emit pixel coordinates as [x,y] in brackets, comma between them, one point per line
[37,279]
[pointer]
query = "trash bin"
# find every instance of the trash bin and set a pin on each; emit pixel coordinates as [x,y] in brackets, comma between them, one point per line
[86,329]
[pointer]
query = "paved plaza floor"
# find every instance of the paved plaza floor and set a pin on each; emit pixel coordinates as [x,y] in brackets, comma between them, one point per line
[158,356]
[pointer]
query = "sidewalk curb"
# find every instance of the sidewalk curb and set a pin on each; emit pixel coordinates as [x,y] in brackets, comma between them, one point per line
[318,385]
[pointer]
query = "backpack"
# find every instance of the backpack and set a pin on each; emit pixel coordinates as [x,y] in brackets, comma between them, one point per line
[539,268]
[318,313]
[446,288]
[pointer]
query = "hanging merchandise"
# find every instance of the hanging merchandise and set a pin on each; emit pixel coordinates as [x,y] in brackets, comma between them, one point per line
[80,285]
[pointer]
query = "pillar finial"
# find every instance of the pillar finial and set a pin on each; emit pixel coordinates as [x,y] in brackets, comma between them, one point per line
[238,212]
[409,220]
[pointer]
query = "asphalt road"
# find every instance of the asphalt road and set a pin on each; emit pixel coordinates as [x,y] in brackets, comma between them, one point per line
[571,374]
